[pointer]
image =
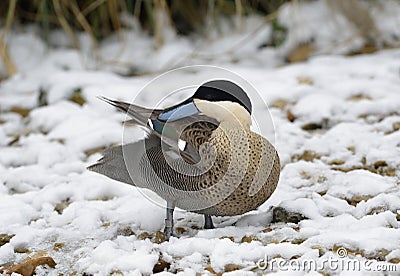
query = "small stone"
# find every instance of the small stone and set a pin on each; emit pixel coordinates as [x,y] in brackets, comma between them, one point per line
[390,172]
[5,238]
[27,268]
[267,230]
[298,241]
[279,214]
[104,198]
[305,80]
[24,112]
[306,156]
[14,140]
[232,267]
[352,149]
[337,162]
[357,199]
[364,160]
[300,53]
[21,250]
[144,235]
[180,230]
[57,246]
[396,126]
[116,272]
[290,116]
[42,98]
[58,140]
[249,239]
[125,231]
[210,269]
[379,255]
[394,260]
[319,248]
[161,265]
[377,210]
[311,126]
[380,163]
[359,97]
[365,49]
[77,97]
[160,237]
[227,237]
[280,103]
[59,208]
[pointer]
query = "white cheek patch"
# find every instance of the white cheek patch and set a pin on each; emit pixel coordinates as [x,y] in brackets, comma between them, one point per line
[224,111]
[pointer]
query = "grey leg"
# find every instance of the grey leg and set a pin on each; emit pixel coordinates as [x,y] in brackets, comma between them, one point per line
[208,223]
[169,220]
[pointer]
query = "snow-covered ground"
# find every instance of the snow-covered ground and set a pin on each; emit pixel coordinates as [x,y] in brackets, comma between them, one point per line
[337,122]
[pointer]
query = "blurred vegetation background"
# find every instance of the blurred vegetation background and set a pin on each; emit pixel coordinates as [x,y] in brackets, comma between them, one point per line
[101,18]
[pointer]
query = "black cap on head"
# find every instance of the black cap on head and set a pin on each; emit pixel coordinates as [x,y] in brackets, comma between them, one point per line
[223,90]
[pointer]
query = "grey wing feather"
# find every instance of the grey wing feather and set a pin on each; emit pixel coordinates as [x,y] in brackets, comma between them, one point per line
[112,164]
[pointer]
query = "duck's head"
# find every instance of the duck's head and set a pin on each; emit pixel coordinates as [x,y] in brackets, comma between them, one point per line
[224,101]
[221,100]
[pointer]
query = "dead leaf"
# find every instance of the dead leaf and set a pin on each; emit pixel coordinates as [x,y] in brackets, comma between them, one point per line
[5,238]
[290,116]
[160,237]
[249,239]
[232,267]
[358,97]
[280,103]
[305,80]
[161,265]
[24,112]
[27,268]
[300,53]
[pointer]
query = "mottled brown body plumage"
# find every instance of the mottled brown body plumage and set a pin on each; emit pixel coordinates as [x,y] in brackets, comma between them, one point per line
[225,169]
[259,171]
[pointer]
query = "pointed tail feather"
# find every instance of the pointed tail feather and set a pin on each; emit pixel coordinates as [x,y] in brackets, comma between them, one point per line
[139,115]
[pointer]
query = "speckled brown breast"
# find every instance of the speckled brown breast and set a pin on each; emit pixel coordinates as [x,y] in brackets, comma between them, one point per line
[244,168]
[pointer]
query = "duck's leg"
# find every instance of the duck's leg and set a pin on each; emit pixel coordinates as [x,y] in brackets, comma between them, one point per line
[169,220]
[208,223]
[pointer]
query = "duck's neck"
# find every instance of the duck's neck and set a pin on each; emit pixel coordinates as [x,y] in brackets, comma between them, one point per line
[226,112]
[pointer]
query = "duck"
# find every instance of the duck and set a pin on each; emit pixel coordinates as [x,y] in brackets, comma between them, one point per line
[199,155]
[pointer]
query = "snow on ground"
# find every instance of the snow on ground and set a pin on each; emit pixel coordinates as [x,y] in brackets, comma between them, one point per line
[340,159]
[337,126]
